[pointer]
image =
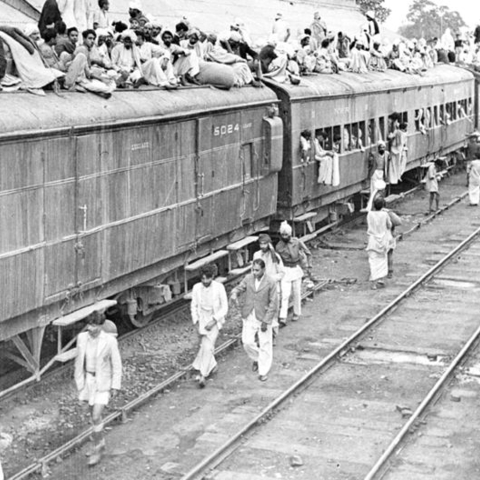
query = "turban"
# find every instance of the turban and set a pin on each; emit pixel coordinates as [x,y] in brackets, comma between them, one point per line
[30,28]
[278,15]
[129,34]
[370,14]
[110,327]
[285,228]
[264,238]
[381,143]
[235,37]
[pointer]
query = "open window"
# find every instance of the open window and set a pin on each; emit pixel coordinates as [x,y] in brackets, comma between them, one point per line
[372,132]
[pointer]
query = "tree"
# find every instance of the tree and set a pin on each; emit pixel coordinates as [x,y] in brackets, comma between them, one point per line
[381,13]
[428,20]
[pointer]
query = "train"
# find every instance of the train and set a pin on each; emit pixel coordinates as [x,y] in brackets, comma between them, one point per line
[119,202]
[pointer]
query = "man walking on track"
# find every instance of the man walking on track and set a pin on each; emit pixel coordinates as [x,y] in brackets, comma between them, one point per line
[98,374]
[474,181]
[260,304]
[209,309]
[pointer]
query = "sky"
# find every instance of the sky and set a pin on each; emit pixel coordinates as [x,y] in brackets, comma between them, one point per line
[468,9]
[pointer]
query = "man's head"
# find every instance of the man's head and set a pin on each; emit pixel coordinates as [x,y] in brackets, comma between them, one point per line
[95,323]
[50,36]
[31,30]
[72,34]
[381,147]
[193,37]
[167,38]
[206,274]
[60,27]
[258,268]
[89,37]
[378,202]
[140,38]
[181,29]
[264,241]
[128,39]
[104,5]
[134,9]
[285,231]
[156,30]
[316,16]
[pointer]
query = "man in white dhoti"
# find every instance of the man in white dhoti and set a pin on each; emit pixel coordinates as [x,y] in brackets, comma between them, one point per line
[379,242]
[259,308]
[98,375]
[209,309]
[474,182]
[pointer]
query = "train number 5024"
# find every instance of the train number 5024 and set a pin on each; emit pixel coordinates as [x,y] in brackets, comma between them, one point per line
[225,129]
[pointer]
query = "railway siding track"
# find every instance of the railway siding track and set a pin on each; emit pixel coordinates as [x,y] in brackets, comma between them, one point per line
[355,409]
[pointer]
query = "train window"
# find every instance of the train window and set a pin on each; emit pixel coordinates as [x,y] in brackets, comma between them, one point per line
[347,138]
[337,139]
[469,106]
[381,129]
[360,134]
[453,111]
[371,132]
[327,134]
[428,117]
[462,109]
[420,120]
[435,116]
[442,115]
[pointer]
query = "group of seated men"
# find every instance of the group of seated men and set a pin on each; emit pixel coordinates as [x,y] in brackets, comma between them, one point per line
[112,55]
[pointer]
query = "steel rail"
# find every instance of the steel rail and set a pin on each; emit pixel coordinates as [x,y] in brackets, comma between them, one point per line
[223,451]
[422,407]
[121,413]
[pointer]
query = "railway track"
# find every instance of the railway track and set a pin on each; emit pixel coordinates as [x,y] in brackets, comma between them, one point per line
[42,464]
[398,346]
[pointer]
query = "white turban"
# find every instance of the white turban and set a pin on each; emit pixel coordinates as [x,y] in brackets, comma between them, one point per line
[30,28]
[285,228]
[235,37]
[129,34]
[370,14]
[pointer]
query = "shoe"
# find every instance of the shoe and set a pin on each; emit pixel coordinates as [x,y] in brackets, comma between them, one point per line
[213,371]
[390,275]
[263,378]
[295,318]
[201,382]
[104,95]
[96,457]
[282,322]
[94,448]
[140,81]
[255,367]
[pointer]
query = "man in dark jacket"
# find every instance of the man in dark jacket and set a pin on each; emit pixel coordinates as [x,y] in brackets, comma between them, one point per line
[260,304]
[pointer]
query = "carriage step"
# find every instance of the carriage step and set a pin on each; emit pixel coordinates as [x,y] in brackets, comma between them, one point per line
[304,217]
[206,260]
[66,356]
[242,243]
[78,315]
[240,271]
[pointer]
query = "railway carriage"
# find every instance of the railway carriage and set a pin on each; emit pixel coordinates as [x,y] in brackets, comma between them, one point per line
[356,111]
[112,199]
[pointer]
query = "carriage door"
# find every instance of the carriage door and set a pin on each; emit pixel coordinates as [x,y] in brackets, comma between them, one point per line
[90,152]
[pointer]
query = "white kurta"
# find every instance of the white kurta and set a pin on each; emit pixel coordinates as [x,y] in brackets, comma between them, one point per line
[379,239]
[474,182]
[208,303]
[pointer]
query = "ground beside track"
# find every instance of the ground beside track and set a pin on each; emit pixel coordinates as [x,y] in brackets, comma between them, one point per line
[150,449]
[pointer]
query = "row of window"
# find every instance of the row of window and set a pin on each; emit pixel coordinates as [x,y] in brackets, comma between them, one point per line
[358,135]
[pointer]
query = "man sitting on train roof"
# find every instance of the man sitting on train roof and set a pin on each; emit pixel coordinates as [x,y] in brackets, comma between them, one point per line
[84,73]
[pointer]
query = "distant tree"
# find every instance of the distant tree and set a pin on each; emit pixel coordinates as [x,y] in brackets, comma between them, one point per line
[381,13]
[427,19]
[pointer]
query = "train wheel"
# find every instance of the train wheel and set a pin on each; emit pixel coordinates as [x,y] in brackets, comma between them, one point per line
[140,320]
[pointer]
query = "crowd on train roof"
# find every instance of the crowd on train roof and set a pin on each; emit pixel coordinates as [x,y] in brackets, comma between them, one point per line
[75,49]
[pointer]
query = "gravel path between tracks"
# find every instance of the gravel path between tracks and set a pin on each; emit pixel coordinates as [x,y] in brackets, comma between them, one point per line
[48,415]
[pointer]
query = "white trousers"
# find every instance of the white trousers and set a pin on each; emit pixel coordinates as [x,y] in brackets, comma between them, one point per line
[291,283]
[263,353]
[205,361]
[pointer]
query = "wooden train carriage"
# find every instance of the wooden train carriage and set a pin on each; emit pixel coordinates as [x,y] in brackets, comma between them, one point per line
[98,196]
[352,107]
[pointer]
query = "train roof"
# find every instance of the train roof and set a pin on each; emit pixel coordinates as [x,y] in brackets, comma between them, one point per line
[28,113]
[349,84]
